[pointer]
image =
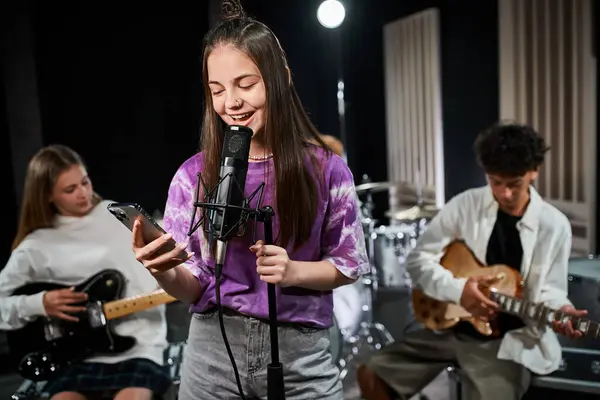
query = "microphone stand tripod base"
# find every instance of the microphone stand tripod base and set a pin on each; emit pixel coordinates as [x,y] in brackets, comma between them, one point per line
[371,335]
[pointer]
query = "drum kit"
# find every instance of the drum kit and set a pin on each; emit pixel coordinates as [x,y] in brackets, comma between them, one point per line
[387,248]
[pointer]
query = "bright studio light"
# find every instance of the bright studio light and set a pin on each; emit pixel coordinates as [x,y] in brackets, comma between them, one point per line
[331,13]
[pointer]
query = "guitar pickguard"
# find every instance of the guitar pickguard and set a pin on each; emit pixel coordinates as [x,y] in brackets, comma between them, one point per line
[96,315]
[456,312]
[53,330]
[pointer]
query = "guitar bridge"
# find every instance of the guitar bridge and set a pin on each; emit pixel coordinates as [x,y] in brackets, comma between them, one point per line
[96,315]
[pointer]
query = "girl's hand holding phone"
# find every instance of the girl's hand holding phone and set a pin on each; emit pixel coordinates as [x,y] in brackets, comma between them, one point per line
[153,260]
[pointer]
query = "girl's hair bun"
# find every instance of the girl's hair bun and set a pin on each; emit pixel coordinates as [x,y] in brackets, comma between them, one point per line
[232,9]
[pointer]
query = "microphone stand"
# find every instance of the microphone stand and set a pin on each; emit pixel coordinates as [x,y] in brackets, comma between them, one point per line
[275,385]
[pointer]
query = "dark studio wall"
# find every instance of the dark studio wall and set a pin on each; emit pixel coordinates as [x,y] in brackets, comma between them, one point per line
[310,49]
[124,89]
[9,211]
[596,51]
[470,86]
[9,214]
[469,69]
[469,58]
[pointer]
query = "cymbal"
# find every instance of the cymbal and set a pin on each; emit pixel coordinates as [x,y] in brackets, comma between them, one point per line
[376,186]
[413,213]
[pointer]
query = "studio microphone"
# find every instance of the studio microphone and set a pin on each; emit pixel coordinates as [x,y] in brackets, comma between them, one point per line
[226,218]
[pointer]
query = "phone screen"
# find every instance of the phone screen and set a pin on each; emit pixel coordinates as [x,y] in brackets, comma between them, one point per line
[128,213]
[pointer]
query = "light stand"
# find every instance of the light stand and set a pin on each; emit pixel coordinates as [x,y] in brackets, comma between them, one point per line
[275,386]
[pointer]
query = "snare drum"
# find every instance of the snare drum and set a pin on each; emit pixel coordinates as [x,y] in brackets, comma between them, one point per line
[391,246]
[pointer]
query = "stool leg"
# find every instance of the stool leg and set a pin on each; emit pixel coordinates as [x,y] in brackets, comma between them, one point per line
[455,384]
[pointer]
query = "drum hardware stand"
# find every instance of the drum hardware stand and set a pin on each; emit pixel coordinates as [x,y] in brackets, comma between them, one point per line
[371,333]
[418,186]
[417,225]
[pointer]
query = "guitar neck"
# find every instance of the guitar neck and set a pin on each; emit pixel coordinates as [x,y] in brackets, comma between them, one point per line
[130,305]
[544,315]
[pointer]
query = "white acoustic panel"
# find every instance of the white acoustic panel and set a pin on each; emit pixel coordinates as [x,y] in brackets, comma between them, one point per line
[413,102]
[548,80]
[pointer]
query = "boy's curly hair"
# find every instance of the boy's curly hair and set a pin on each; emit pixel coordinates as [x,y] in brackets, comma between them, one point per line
[510,149]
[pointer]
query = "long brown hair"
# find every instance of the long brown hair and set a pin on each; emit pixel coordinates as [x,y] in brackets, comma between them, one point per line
[43,172]
[288,132]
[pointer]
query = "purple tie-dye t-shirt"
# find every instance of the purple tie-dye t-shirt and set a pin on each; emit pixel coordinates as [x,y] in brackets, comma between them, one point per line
[337,237]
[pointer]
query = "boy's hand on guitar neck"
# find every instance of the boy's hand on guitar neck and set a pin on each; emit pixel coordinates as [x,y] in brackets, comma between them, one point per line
[58,303]
[474,301]
[567,328]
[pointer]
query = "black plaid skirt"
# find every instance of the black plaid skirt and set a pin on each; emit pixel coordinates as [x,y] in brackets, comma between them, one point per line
[106,379]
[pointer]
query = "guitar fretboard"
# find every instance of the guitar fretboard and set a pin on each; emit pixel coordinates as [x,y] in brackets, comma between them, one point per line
[544,315]
[130,305]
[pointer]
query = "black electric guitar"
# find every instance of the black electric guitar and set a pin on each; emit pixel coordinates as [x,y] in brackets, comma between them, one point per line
[45,346]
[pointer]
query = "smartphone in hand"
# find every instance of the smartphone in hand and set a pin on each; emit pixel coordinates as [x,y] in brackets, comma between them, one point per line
[128,213]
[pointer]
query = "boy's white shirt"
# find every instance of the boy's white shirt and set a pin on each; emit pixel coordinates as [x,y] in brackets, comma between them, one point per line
[545,235]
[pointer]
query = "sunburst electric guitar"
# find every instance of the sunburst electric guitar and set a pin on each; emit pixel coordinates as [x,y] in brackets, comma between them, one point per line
[506,291]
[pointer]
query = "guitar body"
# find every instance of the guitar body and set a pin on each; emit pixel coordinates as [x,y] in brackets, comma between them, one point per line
[460,261]
[46,345]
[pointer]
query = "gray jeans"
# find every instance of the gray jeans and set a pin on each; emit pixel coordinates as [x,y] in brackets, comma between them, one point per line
[308,370]
[409,365]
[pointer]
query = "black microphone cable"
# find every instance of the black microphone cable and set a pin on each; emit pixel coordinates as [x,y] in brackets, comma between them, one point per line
[218,271]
